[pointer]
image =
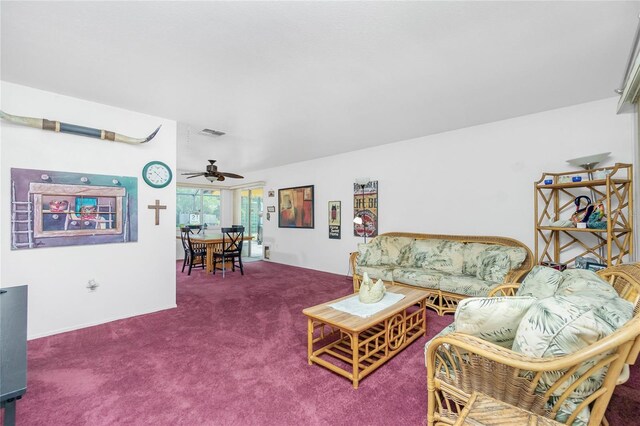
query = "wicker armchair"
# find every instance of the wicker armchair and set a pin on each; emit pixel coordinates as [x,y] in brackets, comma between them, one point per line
[459,364]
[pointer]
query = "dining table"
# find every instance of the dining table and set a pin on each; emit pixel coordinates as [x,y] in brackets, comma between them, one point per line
[213,242]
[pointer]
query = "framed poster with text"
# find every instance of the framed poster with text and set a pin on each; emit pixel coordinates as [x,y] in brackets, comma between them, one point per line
[365,206]
[334,219]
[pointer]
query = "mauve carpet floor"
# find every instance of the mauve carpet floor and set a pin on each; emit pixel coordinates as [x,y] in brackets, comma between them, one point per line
[232,353]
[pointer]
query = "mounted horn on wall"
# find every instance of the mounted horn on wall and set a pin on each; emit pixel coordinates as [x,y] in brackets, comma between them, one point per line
[57,126]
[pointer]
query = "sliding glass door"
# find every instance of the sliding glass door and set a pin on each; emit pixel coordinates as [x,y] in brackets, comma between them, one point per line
[251,218]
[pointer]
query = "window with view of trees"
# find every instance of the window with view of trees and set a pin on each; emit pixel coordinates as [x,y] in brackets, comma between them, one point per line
[197,206]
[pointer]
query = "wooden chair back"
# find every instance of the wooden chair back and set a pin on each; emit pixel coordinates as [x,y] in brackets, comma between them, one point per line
[232,239]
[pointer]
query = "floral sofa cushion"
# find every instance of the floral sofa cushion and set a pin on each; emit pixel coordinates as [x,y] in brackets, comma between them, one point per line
[466,285]
[370,254]
[516,254]
[385,273]
[494,319]
[470,257]
[394,249]
[473,254]
[426,278]
[440,255]
[541,282]
[493,266]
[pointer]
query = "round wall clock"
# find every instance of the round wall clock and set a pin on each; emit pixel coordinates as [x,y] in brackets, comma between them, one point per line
[157,174]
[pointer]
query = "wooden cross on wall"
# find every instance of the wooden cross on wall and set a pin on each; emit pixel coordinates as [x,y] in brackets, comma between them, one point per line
[157,207]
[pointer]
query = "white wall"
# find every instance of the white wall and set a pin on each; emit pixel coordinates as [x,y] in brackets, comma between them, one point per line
[473,181]
[134,278]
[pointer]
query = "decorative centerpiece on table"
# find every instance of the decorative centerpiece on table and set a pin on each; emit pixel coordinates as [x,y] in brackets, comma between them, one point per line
[371,292]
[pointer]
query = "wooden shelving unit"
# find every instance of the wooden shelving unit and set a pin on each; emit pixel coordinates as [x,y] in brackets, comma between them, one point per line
[552,202]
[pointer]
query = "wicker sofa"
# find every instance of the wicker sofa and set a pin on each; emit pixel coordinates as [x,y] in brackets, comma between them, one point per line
[445,265]
[572,388]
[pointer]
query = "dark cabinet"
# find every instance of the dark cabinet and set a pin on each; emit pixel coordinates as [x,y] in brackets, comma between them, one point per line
[13,349]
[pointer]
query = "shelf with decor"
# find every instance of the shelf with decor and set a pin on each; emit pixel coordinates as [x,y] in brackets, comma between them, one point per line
[609,240]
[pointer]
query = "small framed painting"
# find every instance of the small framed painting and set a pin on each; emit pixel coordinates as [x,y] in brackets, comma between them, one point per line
[271,209]
[334,219]
[295,207]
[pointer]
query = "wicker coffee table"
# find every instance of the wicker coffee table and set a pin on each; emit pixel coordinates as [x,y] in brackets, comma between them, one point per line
[353,346]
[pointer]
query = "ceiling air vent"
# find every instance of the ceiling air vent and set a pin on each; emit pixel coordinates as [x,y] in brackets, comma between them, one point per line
[211,132]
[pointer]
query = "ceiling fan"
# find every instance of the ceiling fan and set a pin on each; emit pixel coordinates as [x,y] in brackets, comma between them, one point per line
[212,174]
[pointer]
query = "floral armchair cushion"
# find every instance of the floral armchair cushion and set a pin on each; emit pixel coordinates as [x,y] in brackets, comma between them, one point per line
[541,282]
[564,324]
[585,282]
[494,319]
[561,325]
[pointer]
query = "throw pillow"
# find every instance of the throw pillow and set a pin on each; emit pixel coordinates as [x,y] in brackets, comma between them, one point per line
[470,257]
[494,319]
[394,249]
[439,255]
[585,282]
[562,325]
[493,266]
[517,255]
[541,282]
[369,254]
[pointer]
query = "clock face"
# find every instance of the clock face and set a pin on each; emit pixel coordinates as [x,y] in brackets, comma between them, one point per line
[157,174]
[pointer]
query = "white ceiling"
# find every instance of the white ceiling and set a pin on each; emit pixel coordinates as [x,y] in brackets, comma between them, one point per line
[290,81]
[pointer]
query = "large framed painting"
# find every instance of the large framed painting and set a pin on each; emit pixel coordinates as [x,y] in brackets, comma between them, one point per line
[365,206]
[295,207]
[54,208]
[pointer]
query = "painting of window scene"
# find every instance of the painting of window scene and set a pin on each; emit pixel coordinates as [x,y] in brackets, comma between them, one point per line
[54,208]
[295,207]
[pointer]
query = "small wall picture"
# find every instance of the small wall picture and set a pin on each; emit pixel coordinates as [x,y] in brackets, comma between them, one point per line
[335,211]
[271,193]
[271,209]
[295,207]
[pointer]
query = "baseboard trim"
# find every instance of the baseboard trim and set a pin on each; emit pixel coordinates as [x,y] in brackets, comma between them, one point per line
[92,324]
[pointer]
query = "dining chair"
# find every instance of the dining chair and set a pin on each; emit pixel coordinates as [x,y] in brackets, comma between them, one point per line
[231,250]
[192,251]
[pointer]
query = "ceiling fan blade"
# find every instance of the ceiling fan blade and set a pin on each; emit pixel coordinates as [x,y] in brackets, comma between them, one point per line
[220,178]
[195,173]
[200,174]
[231,175]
